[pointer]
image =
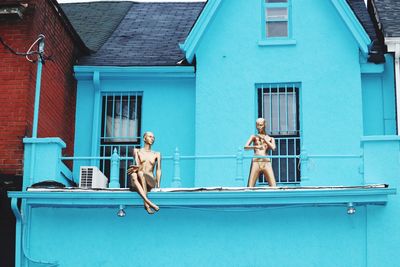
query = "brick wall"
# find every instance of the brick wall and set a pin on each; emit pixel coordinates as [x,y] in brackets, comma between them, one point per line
[18,78]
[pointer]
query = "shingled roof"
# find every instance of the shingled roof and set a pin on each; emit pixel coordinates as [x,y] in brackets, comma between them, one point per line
[359,8]
[96,21]
[389,16]
[148,35]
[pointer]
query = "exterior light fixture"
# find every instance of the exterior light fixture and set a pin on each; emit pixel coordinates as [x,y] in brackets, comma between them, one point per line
[350,208]
[121,212]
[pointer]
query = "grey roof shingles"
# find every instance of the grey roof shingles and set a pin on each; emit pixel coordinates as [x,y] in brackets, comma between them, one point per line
[149,35]
[96,21]
[389,16]
[360,9]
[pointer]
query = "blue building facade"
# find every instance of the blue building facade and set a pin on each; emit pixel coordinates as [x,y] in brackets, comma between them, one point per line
[306,67]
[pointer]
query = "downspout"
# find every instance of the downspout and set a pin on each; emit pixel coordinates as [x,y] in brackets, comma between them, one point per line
[96,116]
[38,84]
[393,45]
[19,238]
[36,105]
[18,231]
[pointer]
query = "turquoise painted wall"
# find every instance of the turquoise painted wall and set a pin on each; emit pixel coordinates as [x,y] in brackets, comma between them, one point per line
[227,232]
[200,237]
[325,60]
[167,110]
[383,225]
[379,101]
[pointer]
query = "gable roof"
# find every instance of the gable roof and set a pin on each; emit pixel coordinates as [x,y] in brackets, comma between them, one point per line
[347,10]
[389,14]
[148,34]
[96,21]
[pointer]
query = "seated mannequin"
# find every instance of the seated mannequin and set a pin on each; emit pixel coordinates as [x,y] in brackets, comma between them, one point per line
[142,174]
[261,143]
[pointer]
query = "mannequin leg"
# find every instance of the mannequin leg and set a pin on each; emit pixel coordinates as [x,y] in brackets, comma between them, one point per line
[254,173]
[141,192]
[269,174]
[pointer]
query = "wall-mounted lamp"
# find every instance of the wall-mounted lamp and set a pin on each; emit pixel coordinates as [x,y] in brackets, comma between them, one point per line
[121,212]
[350,208]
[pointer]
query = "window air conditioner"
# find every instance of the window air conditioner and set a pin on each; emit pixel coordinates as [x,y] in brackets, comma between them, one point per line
[92,177]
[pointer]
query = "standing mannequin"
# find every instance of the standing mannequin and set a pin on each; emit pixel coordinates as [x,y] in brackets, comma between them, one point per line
[142,174]
[261,143]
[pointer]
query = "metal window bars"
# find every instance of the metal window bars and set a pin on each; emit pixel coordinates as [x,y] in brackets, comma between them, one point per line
[121,129]
[279,105]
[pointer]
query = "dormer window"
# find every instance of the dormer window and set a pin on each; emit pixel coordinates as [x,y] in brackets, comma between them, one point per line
[276,15]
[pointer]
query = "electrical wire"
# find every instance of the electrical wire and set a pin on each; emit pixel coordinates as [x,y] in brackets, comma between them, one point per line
[29,52]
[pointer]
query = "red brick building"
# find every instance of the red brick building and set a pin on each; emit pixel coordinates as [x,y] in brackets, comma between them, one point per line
[20,24]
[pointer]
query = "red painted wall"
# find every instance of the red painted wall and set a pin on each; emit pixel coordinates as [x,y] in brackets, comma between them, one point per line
[18,78]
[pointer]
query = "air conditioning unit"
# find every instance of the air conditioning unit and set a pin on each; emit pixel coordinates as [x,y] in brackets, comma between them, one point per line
[92,177]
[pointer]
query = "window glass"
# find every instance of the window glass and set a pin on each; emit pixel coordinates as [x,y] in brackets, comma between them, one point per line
[276,1]
[277,28]
[276,13]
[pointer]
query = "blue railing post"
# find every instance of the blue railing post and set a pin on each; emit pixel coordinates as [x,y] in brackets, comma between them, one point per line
[304,163]
[239,167]
[114,173]
[176,181]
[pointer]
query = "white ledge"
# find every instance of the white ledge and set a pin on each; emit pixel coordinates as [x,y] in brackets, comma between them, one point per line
[211,197]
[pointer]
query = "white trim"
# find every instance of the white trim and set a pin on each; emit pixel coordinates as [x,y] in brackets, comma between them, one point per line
[393,45]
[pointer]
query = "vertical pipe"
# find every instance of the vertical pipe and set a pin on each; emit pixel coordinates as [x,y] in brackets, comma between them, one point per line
[96,131]
[18,231]
[37,99]
[38,85]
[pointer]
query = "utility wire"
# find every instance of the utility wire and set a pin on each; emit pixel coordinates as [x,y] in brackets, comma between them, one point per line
[28,53]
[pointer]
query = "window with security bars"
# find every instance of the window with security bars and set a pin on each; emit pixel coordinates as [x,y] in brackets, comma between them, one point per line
[279,105]
[121,129]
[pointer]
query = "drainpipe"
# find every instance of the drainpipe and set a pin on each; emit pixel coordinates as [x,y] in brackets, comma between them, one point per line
[18,230]
[36,105]
[38,84]
[393,45]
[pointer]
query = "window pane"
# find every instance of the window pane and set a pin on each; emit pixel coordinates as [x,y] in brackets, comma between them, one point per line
[276,13]
[276,1]
[277,29]
[120,118]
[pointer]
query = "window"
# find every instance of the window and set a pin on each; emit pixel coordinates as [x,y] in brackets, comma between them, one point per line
[276,16]
[279,105]
[121,129]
